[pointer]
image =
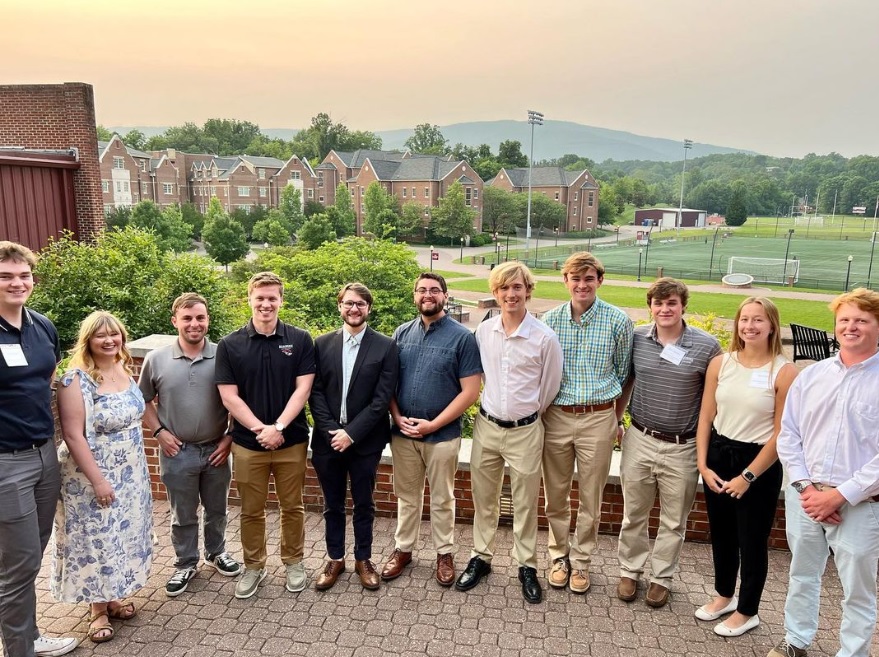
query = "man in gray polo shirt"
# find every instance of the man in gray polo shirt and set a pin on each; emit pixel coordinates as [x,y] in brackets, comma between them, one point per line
[189,421]
[669,360]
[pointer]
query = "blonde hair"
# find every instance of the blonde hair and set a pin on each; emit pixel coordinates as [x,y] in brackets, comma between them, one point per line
[264,279]
[506,273]
[82,356]
[771,310]
[864,299]
[579,262]
[17,253]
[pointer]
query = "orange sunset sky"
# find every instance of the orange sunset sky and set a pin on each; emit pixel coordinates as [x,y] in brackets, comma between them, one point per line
[783,77]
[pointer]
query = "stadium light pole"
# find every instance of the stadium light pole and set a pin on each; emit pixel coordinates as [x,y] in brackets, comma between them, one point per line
[711,263]
[790,233]
[688,144]
[848,273]
[640,251]
[534,118]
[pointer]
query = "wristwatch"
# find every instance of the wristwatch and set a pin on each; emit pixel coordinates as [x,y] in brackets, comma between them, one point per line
[748,476]
[279,426]
[801,485]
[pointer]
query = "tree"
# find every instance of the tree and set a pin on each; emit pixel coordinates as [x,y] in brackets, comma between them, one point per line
[427,138]
[134,138]
[193,218]
[545,212]
[291,207]
[452,218]
[272,232]
[103,133]
[607,209]
[118,217]
[343,218]
[224,238]
[500,212]
[172,233]
[737,211]
[315,231]
[380,208]
[313,207]
[411,219]
[510,154]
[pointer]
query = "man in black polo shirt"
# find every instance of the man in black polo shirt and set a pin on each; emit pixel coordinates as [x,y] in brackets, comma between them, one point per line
[264,372]
[30,482]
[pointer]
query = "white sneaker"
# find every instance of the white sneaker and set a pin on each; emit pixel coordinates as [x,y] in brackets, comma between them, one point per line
[46,646]
[296,577]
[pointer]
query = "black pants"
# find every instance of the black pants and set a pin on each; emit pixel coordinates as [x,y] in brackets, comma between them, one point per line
[333,471]
[740,527]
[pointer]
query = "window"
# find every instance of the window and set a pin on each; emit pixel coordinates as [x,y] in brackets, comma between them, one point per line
[143,165]
[467,196]
[352,192]
[404,192]
[261,173]
[591,200]
[118,162]
[361,192]
[244,191]
[263,192]
[413,192]
[118,185]
[575,210]
[310,193]
[321,199]
[105,186]
[576,196]
[125,186]
[427,192]
[588,220]
[475,193]
[167,188]
[213,191]
[556,196]
[295,175]
[144,188]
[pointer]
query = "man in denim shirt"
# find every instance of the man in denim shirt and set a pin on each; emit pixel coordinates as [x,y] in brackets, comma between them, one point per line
[440,374]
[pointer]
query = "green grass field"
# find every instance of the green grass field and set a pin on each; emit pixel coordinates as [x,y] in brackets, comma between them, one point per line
[810,313]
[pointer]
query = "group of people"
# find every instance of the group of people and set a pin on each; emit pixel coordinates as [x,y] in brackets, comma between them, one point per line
[553,396]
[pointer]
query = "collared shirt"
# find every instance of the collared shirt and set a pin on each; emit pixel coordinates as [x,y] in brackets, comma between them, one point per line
[432,364]
[667,395]
[26,390]
[350,347]
[189,402]
[830,427]
[523,370]
[598,352]
[265,368]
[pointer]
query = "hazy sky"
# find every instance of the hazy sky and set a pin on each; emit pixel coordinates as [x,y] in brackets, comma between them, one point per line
[782,77]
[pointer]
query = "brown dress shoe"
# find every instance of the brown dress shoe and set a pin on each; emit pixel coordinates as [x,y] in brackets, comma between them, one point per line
[329,575]
[627,589]
[445,569]
[368,577]
[395,565]
[657,595]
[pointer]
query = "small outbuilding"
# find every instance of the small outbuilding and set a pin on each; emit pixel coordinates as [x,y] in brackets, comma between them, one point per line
[665,218]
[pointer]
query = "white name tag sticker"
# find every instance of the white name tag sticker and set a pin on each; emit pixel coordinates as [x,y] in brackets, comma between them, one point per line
[13,355]
[760,379]
[673,354]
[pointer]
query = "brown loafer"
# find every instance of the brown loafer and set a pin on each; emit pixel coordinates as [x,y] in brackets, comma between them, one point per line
[368,577]
[327,578]
[657,595]
[445,569]
[395,565]
[627,589]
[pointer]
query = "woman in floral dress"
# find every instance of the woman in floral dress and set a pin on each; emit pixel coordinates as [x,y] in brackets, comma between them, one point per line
[103,527]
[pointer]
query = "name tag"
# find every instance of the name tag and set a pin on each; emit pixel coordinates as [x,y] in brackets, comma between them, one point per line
[673,354]
[760,379]
[13,355]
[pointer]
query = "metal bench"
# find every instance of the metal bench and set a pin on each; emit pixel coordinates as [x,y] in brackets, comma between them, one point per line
[812,344]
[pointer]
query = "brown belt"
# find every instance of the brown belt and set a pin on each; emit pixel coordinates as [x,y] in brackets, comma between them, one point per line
[583,409]
[823,487]
[676,438]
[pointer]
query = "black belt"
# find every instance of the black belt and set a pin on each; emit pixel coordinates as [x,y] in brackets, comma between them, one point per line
[29,448]
[676,438]
[510,424]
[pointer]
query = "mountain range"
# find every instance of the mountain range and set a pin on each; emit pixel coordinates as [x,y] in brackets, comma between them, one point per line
[551,140]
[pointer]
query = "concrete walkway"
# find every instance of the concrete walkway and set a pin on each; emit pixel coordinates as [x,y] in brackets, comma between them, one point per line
[414,616]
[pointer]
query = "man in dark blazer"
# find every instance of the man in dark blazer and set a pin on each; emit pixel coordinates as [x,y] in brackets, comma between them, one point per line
[355,380]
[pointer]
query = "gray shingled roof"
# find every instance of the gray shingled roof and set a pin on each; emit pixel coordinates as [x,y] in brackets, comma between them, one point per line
[542,177]
[358,157]
[385,170]
[133,152]
[259,161]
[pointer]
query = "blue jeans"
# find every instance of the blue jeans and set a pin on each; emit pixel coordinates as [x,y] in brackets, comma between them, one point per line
[30,485]
[190,479]
[855,545]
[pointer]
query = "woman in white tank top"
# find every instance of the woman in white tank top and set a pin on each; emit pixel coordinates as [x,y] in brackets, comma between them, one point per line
[739,422]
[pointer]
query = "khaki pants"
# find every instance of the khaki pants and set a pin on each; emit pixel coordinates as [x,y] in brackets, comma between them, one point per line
[520,448]
[252,470]
[587,440]
[413,459]
[648,466]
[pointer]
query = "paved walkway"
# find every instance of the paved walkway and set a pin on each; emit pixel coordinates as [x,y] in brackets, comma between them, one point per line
[414,616]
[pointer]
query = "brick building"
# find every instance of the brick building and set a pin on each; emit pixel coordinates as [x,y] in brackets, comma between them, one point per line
[50,118]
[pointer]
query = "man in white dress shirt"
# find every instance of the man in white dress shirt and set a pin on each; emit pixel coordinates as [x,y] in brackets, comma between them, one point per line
[829,446]
[522,361]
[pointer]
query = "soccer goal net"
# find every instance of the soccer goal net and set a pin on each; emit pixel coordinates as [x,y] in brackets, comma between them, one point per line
[765,270]
[809,220]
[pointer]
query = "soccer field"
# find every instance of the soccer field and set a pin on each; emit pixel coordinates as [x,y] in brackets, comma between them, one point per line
[823,263]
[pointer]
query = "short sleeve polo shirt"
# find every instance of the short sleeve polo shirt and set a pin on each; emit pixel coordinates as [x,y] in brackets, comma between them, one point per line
[25,390]
[265,368]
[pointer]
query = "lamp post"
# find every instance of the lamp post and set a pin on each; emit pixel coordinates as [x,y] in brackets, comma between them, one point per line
[431,258]
[711,263]
[537,245]
[640,251]
[688,144]
[848,273]
[462,249]
[497,249]
[790,233]
[556,229]
[534,118]
[647,252]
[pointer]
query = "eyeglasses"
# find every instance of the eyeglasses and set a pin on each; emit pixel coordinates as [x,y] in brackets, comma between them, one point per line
[350,304]
[433,291]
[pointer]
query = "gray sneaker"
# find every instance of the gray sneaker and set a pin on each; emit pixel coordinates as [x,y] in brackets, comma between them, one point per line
[784,649]
[296,577]
[249,582]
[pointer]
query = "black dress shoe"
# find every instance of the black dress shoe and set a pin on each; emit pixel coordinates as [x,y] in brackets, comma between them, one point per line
[475,571]
[531,590]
